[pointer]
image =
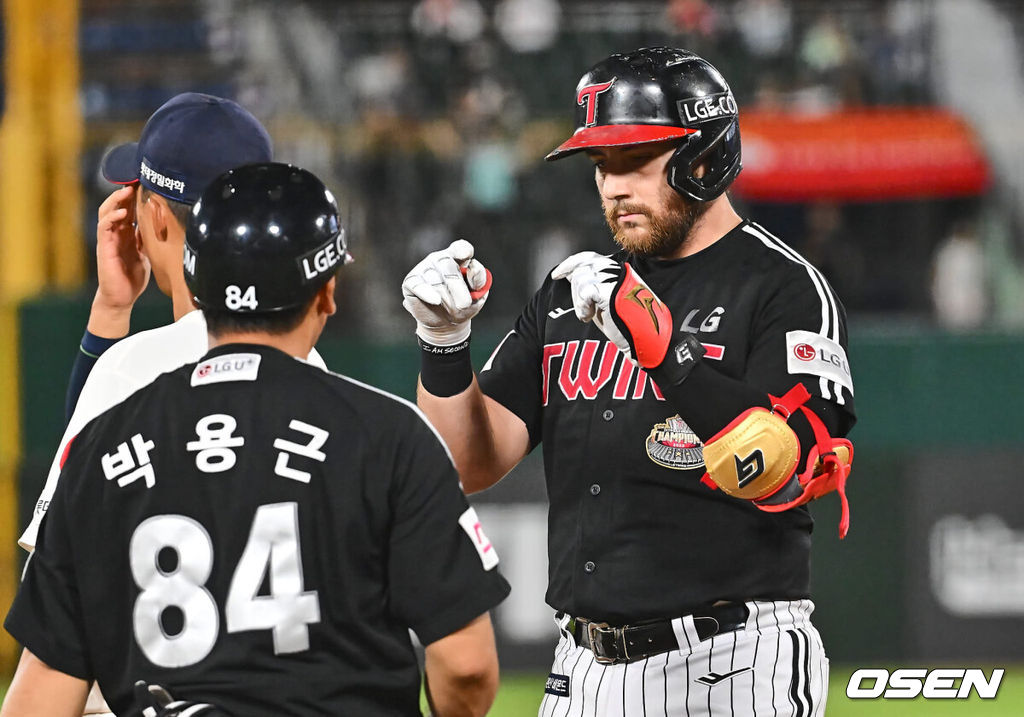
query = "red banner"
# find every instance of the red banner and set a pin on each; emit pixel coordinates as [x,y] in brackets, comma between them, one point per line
[863,155]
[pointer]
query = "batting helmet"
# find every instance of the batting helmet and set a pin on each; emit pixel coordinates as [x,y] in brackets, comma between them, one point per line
[263,238]
[655,94]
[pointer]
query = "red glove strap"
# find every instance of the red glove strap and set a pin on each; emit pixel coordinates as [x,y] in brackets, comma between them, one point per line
[647,320]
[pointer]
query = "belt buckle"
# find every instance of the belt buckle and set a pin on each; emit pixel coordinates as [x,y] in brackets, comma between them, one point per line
[595,629]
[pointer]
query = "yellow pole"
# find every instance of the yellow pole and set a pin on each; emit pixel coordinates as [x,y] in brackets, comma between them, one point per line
[22,266]
[10,454]
[40,216]
[63,117]
[40,147]
[23,258]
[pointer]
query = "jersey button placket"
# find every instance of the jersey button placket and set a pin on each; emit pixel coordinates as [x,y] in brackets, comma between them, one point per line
[608,414]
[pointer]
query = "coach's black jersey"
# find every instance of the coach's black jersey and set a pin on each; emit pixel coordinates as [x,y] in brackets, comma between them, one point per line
[633,534]
[257,533]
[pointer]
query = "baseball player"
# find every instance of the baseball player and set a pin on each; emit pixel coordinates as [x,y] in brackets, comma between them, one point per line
[249,531]
[186,143]
[691,391]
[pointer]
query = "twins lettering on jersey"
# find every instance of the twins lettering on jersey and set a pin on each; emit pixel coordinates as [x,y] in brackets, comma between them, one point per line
[216,450]
[597,364]
[671,444]
[589,374]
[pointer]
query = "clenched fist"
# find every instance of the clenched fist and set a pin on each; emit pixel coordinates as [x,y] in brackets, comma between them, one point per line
[444,292]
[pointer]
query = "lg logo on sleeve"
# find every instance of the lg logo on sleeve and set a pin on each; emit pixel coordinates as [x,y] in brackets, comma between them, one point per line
[939,684]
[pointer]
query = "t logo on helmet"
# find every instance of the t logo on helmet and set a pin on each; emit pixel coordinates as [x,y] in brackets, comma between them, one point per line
[587,96]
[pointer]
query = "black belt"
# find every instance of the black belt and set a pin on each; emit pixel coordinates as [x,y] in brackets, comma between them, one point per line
[613,645]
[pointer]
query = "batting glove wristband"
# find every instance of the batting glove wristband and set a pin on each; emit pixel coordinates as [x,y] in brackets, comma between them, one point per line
[444,292]
[620,303]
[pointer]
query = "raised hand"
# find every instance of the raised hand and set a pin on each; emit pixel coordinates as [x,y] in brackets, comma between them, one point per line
[122,268]
[444,292]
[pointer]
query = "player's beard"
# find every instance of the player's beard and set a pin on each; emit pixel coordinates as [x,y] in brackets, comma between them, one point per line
[664,234]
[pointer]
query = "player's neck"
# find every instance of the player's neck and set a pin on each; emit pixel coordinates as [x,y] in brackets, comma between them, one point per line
[719,219]
[169,257]
[298,342]
[289,344]
[181,299]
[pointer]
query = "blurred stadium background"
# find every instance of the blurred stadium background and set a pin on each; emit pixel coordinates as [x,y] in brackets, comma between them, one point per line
[884,139]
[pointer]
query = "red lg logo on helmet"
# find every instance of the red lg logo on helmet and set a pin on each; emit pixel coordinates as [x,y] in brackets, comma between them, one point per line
[588,97]
[804,352]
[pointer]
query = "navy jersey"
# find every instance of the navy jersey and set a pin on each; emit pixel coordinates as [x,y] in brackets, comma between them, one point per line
[633,534]
[257,533]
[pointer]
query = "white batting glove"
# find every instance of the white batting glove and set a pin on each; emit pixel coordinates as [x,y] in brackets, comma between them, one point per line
[593,277]
[444,292]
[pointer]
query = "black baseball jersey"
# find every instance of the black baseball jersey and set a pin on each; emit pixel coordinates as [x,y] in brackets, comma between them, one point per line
[257,533]
[633,533]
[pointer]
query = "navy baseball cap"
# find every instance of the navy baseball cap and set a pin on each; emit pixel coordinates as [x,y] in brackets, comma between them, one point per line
[190,141]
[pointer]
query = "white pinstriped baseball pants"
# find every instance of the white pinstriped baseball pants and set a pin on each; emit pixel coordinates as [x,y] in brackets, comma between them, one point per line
[774,666]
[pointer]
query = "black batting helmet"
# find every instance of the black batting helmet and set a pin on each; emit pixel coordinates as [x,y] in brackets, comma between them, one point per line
[263,238]
[655,94]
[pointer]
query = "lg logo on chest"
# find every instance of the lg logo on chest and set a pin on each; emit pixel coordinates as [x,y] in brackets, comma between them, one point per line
[708,324]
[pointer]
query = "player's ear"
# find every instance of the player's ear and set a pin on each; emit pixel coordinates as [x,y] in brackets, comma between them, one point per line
[325,303]
[161,215]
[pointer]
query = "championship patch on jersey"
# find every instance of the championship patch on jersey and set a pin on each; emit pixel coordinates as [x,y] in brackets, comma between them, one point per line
[808,352]
[229,367]
[673,444]
[471,524]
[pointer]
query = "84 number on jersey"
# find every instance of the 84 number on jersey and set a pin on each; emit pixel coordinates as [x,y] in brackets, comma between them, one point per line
[273,545]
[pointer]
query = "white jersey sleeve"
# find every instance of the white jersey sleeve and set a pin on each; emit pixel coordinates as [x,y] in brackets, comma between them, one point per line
[103,389]
[123,369]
